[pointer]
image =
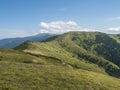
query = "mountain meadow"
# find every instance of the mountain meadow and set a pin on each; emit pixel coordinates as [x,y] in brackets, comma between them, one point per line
[71,61]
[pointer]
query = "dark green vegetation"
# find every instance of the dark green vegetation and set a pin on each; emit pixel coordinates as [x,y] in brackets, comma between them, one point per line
[72,61]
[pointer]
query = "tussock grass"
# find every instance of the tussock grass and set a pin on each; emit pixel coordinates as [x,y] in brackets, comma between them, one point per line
[21,76]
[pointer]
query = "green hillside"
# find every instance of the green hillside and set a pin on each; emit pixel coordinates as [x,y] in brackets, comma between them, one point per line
[72,61]
[82,50]
[21,76]
[9,55]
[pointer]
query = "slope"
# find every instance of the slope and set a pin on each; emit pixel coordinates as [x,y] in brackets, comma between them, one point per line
[21,76]
[13,56]
[80,50]
[60,63]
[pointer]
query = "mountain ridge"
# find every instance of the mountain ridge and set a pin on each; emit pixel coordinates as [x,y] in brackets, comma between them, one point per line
[13,42]
[65,62]
[69,43]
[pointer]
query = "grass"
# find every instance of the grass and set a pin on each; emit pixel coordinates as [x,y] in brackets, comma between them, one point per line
[21,76]
[67,62]
[11,55]
[69,51]
[53,49]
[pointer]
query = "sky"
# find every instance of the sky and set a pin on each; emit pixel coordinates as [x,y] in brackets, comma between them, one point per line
[20,18]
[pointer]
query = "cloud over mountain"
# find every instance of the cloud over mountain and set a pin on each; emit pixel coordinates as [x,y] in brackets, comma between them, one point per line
[61,27]
[114,19]
[115,29]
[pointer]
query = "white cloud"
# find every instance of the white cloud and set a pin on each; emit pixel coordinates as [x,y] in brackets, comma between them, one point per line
[44,25]
[14,33]
[114,19]
[57,27]
[61,27]
[116,29]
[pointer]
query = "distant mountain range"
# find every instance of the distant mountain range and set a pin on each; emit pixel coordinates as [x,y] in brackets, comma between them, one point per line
[13,42]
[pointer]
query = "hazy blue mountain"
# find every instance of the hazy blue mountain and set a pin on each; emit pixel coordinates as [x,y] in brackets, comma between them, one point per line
[13,42]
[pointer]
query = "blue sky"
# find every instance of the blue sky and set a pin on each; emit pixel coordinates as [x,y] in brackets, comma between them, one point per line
[29,17]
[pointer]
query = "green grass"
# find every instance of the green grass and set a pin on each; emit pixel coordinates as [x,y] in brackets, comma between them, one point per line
[94,47]
[80,50]
[21,76]
[11,55]
[72,61]
[53,49]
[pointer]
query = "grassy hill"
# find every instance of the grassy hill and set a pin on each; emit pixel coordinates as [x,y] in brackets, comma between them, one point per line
[83,50]
[21,76]
[72,61]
